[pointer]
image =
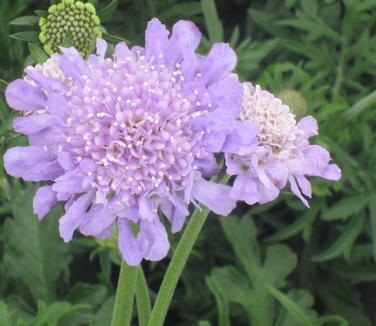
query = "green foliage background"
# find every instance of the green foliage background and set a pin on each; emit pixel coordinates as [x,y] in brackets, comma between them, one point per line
[278,264]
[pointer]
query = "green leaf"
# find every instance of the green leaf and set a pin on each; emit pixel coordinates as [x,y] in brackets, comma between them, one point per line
[104,314]
[372,210]
[325,320]
[213,24]
[113,38]
[106,13]
[41,13]
[53,313]
[345,208]
[37,53]
[279,262]
[25,21]
[180,10]
[5,316]
[34,253]
[297,226]
[241,233]
[290,306]
[28,36]
[309,7]
[304,300]
[360,106]
[92,294]
[344,242]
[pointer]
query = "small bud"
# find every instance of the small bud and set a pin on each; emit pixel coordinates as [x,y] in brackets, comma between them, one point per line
[295,101]
[70,17]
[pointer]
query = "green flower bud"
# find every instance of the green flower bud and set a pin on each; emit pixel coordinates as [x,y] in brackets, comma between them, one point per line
[70,17]
[295,101]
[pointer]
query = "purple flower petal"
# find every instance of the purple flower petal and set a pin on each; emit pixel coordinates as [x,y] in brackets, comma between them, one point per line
[220,61]
[122,51]
[185,38]
[31,163]
[72,64]
[44,200]
[295,189]
[20,95]
[227,93]
[309,125]
[47,83]
[153,240]
[58,105]
[156,39]
[243,138]
[245,188]
[35,123]
[97,220]
[69,183]
[128,244]
[66,161]
[101,47]
[74,216]
[214,196]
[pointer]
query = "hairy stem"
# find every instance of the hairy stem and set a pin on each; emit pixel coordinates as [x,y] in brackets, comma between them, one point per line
[126,288]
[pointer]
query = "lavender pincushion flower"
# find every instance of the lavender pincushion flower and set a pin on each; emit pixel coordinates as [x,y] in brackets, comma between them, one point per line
[282,155]
[120,139]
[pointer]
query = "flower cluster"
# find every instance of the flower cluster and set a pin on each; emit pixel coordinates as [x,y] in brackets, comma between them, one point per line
[282,155]
[124,139]
[73,20]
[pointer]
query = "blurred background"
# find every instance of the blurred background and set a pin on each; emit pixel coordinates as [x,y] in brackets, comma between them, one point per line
[319,57]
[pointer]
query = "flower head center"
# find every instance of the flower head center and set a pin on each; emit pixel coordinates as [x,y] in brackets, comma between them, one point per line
[277,124]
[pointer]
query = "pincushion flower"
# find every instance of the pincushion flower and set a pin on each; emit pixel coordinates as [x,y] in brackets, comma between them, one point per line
[121,139]
[283,154]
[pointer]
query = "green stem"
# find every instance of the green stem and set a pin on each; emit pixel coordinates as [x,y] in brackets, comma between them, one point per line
[176,266]
[142,300]
[126,288]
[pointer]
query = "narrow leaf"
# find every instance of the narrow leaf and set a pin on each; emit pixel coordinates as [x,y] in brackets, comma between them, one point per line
[213,24]
[345,241]
[290,306]
[25,21]
[28,36]
[105,13]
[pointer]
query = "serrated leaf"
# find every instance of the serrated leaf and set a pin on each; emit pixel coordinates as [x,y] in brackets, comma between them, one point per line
[108,10]
[228,286]
[34,253]
[213,24]
[345,208]
[290,306]
[241,233]
[279,262]
[28,36]
[25,21]
[344,242]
